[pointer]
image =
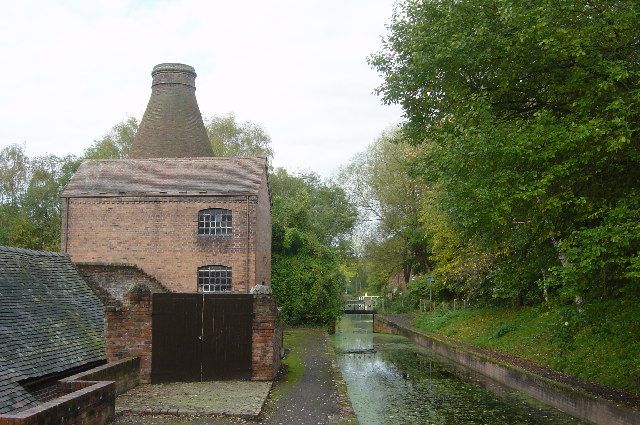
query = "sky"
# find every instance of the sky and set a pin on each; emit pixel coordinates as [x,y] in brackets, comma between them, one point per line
[71,70]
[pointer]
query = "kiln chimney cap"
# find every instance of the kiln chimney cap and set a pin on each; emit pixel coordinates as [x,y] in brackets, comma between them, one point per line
[173,67]
[173,73]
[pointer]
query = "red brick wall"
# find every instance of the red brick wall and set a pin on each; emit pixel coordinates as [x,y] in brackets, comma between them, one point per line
[129,334]
[128,331]
[263,236]
[90,403]
[124,373]
[160,236]
[267,338]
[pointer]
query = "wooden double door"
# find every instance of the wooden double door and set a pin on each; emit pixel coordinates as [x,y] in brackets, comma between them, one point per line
[201,337]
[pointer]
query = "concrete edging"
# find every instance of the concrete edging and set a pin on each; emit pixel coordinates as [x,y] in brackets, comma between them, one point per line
[344,402]
[568,399]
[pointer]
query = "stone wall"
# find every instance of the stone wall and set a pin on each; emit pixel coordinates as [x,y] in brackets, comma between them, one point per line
[267,338]
[87,403]
[112,282]
[160,236]
[128,331]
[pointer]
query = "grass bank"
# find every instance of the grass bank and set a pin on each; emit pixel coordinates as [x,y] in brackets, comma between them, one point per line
[598,342]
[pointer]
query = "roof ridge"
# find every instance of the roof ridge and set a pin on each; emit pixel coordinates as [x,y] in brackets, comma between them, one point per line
[200,158]
[31,251]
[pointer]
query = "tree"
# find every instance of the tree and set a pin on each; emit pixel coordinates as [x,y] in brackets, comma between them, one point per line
[389,198]
[231,138]
[13,174]
[30,188]
[311,222]
[528,114]
[116,143]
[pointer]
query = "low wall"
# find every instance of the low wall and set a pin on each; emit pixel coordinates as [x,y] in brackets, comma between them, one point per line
[570,400]
[266,338]
[125,373]
[89,403]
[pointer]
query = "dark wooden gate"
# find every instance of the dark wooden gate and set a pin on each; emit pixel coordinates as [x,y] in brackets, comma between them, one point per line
[201,337]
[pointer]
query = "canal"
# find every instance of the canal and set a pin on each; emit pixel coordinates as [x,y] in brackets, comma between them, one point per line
[391,380]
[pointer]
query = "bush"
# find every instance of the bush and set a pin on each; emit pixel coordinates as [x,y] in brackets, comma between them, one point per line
[308,289]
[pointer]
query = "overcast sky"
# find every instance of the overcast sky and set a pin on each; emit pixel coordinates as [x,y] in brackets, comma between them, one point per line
[71,70]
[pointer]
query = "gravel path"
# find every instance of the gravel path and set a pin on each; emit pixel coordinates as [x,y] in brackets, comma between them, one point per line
[313,399]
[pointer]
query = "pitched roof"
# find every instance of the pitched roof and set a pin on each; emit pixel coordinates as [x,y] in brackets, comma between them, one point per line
[172,125]
[168,177]
[50,321]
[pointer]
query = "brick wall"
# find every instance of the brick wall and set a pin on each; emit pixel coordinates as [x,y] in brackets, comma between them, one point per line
[160,236]
[125,373]
[87,403]
[267,338]
[128,330]
[263,236]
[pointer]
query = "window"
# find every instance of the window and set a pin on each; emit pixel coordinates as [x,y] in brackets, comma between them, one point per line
[214,279]
[214,221]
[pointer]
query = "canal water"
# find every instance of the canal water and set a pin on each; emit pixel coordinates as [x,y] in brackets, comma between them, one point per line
[392,380]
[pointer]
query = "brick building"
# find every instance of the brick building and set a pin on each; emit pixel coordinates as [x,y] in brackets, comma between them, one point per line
[151,232]
[191,221]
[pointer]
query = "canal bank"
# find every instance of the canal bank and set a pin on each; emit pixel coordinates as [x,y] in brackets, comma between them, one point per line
[575,401]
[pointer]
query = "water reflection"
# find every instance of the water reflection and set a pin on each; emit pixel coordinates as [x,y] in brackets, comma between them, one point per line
[391,380]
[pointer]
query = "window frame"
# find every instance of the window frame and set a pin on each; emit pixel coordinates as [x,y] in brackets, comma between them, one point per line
[215,222]
[215,275]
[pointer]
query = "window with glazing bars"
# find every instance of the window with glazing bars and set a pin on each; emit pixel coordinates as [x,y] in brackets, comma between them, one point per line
[214,279]
[214,221]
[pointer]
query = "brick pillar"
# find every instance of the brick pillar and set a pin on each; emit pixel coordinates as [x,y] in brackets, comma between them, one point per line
[128,330]
[267,338]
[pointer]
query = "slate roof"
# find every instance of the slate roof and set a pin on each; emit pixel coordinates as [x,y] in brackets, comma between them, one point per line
[168,177]
[50,321]
[172,125]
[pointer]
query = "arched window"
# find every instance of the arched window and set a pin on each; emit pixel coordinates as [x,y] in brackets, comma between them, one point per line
[214,279]
[214,221]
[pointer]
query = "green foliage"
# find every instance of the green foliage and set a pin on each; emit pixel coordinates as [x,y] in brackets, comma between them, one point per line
[30,188]
[231,138]
[116,143]
[501,330]
[29,194]
[312,221]
[380,183]
[527,117]
[308,288]
[577,341]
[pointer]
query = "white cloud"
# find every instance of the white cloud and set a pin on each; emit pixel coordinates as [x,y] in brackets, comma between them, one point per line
[73,69]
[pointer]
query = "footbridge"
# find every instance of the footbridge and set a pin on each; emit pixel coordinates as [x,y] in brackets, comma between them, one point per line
[358,307]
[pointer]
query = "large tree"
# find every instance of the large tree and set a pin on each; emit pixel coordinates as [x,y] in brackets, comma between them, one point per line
[312,221]
[380,182]
[232,138]
[529,113]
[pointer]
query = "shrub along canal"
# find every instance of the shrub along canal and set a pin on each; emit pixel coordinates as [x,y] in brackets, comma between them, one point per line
[392,380]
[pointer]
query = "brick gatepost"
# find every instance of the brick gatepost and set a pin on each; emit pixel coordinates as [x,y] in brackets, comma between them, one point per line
[267,338]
